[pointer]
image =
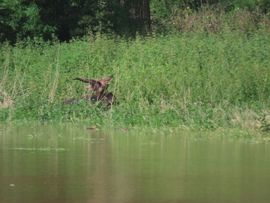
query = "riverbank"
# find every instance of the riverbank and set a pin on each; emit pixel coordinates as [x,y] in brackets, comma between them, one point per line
[196,80]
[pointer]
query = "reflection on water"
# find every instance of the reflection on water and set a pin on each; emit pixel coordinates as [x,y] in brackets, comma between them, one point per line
[47,163]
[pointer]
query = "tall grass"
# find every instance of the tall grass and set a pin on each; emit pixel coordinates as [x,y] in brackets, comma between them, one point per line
[196,80]
[213,19]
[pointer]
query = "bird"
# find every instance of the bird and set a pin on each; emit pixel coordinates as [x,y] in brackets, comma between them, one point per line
[99,89]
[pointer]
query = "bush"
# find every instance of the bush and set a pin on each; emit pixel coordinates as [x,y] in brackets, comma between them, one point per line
[190,79]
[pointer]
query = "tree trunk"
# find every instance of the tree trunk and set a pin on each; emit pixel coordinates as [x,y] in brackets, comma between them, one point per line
[139,14]
[145,16]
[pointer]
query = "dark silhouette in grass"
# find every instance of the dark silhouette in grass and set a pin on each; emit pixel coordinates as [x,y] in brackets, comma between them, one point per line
[98,89]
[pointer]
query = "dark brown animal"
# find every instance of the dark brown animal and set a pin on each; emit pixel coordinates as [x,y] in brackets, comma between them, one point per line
[98,90]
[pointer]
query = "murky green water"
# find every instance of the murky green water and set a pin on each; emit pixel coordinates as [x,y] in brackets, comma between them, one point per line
[68,164]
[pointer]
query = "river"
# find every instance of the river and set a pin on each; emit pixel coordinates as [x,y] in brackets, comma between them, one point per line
[72,164]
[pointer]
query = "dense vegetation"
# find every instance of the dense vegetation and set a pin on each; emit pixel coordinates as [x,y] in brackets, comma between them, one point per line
[67,19]
[194,80]
[202,65]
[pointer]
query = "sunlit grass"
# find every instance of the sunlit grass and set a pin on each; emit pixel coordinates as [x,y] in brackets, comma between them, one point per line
[189,80]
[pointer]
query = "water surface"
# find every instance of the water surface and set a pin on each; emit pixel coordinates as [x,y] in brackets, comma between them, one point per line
[52,163]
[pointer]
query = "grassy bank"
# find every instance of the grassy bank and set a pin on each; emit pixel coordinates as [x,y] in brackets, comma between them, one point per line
[194,80]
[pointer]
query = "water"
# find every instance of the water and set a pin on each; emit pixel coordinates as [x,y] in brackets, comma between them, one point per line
[47,163]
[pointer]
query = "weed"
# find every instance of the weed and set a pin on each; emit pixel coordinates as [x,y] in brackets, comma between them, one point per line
[197,80]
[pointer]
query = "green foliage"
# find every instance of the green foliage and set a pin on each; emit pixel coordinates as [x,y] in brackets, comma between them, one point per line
[191,80]
[65,20]
[209,16]
[166,7]
[20,20]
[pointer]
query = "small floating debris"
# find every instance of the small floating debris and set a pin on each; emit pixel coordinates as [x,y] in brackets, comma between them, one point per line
[124,130]
[94,127]
[11,185]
